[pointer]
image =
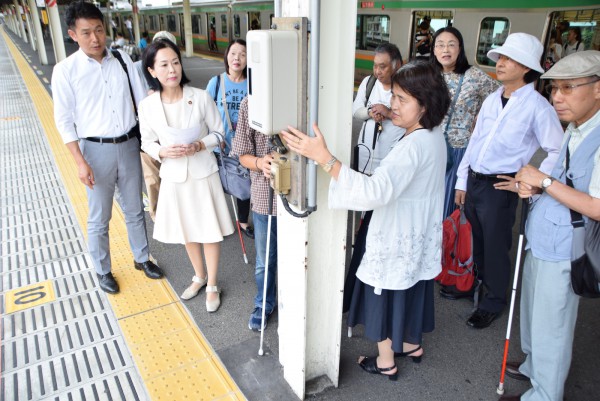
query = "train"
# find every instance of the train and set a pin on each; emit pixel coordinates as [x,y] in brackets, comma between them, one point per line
[484,25]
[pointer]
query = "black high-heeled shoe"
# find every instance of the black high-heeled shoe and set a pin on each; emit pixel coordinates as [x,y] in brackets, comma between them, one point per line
[415,359]
[369,364]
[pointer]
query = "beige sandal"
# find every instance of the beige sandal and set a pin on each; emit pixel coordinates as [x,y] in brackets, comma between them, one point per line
[190,292]
[212,306]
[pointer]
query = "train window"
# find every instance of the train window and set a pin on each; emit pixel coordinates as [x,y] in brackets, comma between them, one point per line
[254,18]
[196,26]
[492,33]
[237,25]
[223,25]
[171,23]
[153,23]
[372,30]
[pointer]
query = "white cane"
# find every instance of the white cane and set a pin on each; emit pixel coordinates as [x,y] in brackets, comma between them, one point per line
[239,229]
[264,298]
[524,210]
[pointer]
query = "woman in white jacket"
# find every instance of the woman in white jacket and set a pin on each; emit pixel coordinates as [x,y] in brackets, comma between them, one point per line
[175,123]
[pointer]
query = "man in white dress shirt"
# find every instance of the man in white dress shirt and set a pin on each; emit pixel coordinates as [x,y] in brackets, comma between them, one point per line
[95,115]
[512,124]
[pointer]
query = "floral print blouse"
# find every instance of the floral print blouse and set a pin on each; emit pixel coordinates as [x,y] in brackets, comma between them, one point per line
[476,86]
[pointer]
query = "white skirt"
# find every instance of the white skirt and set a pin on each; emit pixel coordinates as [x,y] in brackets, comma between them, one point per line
[192,211]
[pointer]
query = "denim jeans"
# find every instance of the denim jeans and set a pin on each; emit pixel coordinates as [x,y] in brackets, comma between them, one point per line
[260,241]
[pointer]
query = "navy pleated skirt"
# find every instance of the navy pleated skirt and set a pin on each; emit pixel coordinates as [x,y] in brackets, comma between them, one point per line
[400,315]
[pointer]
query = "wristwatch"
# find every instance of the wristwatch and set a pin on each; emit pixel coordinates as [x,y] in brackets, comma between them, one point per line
[329,165]
[546,182]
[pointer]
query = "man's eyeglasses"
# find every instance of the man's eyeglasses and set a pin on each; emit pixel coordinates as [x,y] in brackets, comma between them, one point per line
[450,46]
[566,89]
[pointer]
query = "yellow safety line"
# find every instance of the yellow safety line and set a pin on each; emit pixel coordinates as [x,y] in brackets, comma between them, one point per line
[173,357]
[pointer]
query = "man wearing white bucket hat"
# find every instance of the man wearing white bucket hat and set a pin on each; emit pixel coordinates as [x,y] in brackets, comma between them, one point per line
[513,123]
[548,303]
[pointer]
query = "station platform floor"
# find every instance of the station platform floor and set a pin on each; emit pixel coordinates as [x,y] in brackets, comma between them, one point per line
[64,339]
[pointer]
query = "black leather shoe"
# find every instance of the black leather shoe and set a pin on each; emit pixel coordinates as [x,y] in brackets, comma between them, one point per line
[512,370]
[480,319]
[453,294]
[151,270]
[510,398]
[248,231]
[108,283]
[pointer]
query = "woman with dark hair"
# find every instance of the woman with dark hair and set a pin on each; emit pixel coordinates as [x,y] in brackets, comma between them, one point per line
[473,86]
[228,90]
[393,294]
[175,122]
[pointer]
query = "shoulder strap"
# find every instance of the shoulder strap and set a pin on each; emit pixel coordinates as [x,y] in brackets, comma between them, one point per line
[577,46]
[225,103]
[370,85]
[576,217]
[117,55]
[462,76]
[216,88]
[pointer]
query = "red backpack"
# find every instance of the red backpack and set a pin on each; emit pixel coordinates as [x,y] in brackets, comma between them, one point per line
[458,268]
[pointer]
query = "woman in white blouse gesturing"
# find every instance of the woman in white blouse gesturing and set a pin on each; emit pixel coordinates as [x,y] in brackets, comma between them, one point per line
[393,296]
[175,122]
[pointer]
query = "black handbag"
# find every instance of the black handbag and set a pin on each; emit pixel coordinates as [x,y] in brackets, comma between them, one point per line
[585,256]
[235,178]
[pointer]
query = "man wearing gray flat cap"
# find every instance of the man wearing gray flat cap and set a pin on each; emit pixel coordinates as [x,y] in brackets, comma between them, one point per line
[548,303]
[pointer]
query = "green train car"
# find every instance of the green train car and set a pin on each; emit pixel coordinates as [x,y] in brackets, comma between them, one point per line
[484,24]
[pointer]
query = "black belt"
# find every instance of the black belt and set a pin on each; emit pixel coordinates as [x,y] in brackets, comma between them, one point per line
[118,139]
[488,177]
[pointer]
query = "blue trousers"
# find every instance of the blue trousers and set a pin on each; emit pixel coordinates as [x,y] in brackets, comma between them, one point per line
[115,166]
[260,241]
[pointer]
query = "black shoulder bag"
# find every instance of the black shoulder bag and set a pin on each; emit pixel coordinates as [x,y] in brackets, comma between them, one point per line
[136,128]
[585,252]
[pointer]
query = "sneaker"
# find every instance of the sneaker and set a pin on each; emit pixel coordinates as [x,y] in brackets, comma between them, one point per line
[255,319]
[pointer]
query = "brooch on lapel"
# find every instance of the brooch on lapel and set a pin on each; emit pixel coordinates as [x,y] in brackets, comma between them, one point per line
[189,102]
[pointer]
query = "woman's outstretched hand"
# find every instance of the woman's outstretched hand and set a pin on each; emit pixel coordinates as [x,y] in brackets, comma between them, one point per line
[314,148]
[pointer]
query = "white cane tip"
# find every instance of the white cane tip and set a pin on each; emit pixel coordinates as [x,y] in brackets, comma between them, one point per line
[500,391]
[245,259]
[260,352]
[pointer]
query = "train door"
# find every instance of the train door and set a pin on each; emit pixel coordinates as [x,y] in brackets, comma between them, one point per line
[585,26]
[180,28]
[196,28]
[225,32]
[211,28]
[424,24]
[239,25]
[171,25]
[254,20]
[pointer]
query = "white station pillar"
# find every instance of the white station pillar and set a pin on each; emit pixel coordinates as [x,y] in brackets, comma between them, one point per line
[135,22]
[29,26]
[312,251]
[56,30]
[35,16]
[187,29]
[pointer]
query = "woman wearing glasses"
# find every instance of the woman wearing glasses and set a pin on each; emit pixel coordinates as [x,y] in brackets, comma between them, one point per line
[475,85]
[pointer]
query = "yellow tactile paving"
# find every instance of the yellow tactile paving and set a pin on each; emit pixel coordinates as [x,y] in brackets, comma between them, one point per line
[174,358]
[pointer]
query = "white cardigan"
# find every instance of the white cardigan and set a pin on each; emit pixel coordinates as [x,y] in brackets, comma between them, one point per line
[406,194]
[201,111]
